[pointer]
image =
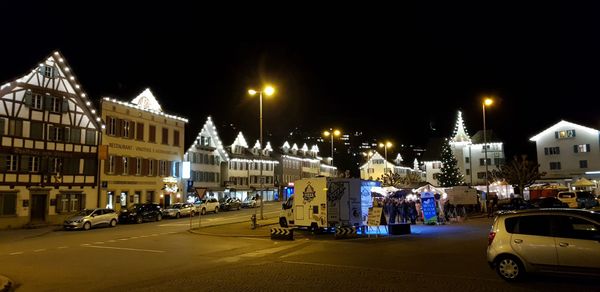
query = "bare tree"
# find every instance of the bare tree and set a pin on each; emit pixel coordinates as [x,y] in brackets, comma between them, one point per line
[398,181]
[519,171]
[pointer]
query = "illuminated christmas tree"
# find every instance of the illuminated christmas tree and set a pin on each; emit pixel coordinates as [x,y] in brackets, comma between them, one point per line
[450,174]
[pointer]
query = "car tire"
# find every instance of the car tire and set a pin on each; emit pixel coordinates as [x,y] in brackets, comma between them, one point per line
[177,215]
[159,217]
[216,210]
[238,207]
[87,226]
[510,268]
[113,223]
[139,220]
[203,211]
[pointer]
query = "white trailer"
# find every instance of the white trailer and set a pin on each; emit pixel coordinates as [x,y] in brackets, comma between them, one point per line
[323,202]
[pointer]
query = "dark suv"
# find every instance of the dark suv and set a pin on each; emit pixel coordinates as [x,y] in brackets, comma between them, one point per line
[139,213]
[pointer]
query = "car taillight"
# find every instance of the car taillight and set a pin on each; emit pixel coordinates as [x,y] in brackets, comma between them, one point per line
[491,237]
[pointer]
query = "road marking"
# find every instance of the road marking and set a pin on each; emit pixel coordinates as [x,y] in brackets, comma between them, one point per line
[85,244]
[112,240]
[125,248]
[135,237]
[99,242]
[219,219]
[154,234]
[38,250]
[123,239]
[16,253]
[258,253]
[61,247]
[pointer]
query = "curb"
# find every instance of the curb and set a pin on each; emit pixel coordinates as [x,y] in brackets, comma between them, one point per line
[5,284]
[195,231]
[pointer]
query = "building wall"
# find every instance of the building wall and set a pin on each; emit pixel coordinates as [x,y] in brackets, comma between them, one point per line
[49,144]
[474,171]
[432,170]
[122,187]
[569,159]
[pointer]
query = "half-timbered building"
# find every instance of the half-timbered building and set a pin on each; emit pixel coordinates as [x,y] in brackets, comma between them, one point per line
[49,134]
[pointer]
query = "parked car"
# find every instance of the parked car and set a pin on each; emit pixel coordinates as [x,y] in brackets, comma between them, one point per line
[568,197]
[88,218]
[227,204]
[548,202]
[139,213]
[251,202]
[179,209]
[513,204]
[586,200]
[545,240]
[207,205]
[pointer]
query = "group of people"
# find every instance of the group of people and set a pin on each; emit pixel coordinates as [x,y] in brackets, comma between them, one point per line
[400,210]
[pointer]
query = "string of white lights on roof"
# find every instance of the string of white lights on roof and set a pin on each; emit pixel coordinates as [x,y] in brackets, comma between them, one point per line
[128,104]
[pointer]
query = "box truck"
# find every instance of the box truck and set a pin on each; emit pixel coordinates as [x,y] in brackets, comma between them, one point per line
[323,202]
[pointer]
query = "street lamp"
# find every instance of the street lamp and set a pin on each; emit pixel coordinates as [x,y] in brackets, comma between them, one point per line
[268,90]
[385,145]
[486,102]
[332,133]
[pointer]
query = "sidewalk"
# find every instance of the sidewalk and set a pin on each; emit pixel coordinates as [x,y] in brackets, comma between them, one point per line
[12,235]
[241,229]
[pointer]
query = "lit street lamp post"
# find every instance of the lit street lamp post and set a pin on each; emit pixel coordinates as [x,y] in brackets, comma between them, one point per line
[269,90]
[332,133]
[385,145]
[486,102]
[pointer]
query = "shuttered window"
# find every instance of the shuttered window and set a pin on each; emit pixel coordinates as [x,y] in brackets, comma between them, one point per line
[139,132]
[90,137]
[165,136]
[67,203]
[176,138]
[152,134]
[8,203]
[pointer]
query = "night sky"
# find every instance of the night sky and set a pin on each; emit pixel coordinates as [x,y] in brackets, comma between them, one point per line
[397,73]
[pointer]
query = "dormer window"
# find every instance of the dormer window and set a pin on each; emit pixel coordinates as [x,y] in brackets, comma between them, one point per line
[47,71]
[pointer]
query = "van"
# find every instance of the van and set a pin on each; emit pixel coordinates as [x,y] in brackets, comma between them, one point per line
[568,197]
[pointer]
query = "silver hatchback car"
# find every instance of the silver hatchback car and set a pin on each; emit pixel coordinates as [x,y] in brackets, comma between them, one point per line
[545,240]
[89,218]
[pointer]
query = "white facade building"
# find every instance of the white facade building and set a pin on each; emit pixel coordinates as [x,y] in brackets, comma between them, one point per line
[568,150]
[376,165]
[470,155]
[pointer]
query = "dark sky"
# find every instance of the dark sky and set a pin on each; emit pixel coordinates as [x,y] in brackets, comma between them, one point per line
[394,72]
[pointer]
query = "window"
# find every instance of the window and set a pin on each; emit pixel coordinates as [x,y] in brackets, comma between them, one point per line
[150,167]
[533,225]
[8,203]
[162,168]
[71,166]
[36,101]
[467,159]
[554,165]
[55,133]
[112,126]
[111,164]
[498,161]
[165,136]
[564,134]
[138,166]
[10,163]
[125,165]
[583,164]
[70,203]
[467,172]
[152,134]
[581,148]
[551,150]
[125,131]
[34,164]
[139,132]
[481,174]
[15,128]
[175,138]
[176,169]
[48,72]
[436,175]
[573,227]
[55,103]
[481,161]
[54,165]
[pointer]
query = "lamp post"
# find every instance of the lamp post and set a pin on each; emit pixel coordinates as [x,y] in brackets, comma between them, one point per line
[486,102]
[268,90]
[385,145]
[332,133]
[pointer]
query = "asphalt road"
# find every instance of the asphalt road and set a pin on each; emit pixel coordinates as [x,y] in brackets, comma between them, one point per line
[163,256]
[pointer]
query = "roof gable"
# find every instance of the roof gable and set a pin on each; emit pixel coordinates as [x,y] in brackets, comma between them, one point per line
[561,124]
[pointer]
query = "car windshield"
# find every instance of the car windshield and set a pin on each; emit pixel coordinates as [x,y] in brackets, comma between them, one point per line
[177,206]
[85,212]
[134,207]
